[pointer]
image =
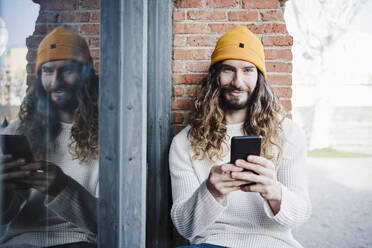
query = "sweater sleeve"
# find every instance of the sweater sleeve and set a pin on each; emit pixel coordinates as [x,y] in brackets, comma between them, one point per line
[76,205]
[295,205]
[194,208]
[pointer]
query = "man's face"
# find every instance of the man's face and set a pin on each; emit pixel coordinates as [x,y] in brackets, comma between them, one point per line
[238,79]
[60,80]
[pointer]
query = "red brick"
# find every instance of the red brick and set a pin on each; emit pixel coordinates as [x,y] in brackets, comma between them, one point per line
[176,128]
[96,66]
[260,4]
[206,15]
[94,53]
[278,54]
[89,28]
[243,15]
[95,16]
[285,92]
[178,15]
[177,117]
[58,5]
[93,42]
[44,28]
[194,91]
[188,4]
[205,41]
[196,54]
[30,79]
[47,17]
[74,17]
[189,28]
[272,15]
[197,66]
[30,68]
[182,104]
[287,104]
[279,79]
[179,40]
[268,28]
[31,55]
[278,67]
[221,27]
[178,91]
[177,66]
[188,78]
[33,42]
[277,40]
[221,3]
[89,4]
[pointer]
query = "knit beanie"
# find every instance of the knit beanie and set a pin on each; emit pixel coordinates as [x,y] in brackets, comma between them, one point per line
[62,43]
[240,43]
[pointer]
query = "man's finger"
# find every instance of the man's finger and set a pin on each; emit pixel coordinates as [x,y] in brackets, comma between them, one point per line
[250,177]
[5,158]
[261,161]
[227,168]
[14,175]
[34,183]
[252,167]
[34,166]
[13,164]
[234,183]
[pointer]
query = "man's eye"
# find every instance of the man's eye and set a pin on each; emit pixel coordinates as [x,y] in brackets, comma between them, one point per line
[227,69]
[46,70]
[248,70]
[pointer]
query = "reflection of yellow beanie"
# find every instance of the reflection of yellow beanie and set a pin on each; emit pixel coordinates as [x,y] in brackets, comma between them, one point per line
[62,43]
[240,43]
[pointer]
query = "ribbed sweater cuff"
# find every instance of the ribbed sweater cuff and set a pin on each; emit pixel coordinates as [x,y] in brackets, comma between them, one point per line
[289,213]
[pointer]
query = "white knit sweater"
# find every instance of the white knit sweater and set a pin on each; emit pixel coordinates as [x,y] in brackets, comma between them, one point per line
[35,219]
[242,219]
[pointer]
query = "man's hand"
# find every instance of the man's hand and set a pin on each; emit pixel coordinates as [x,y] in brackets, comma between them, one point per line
[266,181]
[220,182]
[10,177]
[45,177]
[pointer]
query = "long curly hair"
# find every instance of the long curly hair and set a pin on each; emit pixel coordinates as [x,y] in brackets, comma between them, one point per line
[41,124]
[208,123]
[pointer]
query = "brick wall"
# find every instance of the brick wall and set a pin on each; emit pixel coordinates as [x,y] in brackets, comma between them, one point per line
[81,16]
[197,26]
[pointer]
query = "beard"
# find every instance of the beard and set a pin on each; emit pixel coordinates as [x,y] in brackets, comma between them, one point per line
[68,100]
[234,103]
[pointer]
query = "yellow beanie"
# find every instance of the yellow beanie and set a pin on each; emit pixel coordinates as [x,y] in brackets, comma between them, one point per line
[240,43]
[62,43]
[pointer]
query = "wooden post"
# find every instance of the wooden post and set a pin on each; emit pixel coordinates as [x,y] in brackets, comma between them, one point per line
[122,134]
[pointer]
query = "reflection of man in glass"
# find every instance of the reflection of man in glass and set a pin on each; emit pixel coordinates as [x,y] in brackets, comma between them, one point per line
[256,201]
[53,201]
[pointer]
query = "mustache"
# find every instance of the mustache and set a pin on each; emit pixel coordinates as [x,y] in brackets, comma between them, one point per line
[229,88]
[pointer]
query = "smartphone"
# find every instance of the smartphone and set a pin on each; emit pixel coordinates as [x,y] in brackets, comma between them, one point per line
[17,146]
[242,146]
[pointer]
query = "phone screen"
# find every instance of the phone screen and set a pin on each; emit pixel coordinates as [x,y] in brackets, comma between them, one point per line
[242,146]
[17,146]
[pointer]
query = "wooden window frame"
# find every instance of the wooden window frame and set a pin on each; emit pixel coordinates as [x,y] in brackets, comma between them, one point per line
[135,117]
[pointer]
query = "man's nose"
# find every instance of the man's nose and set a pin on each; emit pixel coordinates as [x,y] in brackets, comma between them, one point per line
[237,80]
[55,80]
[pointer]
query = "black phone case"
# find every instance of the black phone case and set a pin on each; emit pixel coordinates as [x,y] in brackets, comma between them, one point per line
[242,146]
[17,146]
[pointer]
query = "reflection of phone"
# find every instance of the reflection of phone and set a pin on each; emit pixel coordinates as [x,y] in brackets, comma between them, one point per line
[17,146]
[242,146]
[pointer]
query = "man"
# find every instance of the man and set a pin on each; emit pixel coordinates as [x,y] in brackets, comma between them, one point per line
[52,201]
[218,204]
